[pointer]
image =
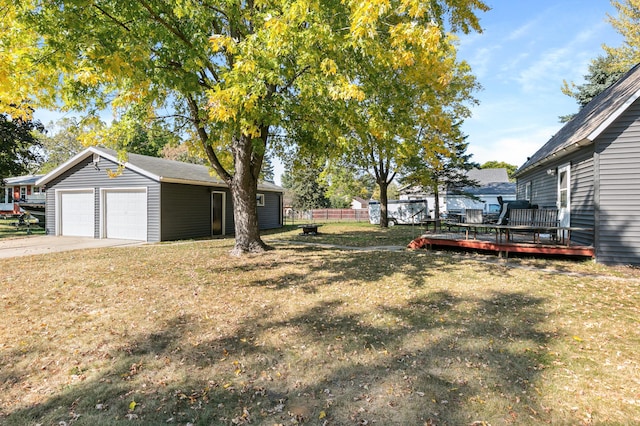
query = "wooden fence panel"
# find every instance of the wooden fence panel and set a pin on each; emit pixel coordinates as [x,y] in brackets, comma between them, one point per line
[319,215]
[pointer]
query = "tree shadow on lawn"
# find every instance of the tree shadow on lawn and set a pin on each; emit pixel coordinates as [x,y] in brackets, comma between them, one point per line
[315,266]
[438,358]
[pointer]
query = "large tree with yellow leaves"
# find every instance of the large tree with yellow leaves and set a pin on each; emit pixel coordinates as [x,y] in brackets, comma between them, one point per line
[235,71]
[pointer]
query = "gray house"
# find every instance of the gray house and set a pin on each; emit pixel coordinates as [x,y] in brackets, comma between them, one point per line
[492,183]
[590,171]
[148,199]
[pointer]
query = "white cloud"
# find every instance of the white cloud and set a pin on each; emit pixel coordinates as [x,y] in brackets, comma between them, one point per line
[482,61]
[512,148]
[522,30]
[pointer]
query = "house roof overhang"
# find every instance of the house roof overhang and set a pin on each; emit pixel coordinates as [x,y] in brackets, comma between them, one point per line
[589,123]
[554,156]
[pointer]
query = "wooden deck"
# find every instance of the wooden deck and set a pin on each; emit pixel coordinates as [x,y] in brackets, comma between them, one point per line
[519,242]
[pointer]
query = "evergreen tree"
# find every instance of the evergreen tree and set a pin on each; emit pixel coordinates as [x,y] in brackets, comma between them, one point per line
[344,183]
[444,166]
[306,191]
[602,74]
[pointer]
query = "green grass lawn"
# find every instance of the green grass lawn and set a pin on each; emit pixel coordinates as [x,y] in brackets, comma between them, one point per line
[185,334]
[9,230]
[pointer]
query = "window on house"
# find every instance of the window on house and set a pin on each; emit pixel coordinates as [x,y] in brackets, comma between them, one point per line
[563,188]
[527,191]
[260,200]
[23,192]
[4,195]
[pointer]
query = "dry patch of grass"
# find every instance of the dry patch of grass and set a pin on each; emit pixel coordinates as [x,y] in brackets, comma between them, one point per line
[354,234]
[184,334]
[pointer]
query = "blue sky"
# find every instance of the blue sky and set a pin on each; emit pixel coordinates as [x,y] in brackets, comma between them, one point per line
[526,50]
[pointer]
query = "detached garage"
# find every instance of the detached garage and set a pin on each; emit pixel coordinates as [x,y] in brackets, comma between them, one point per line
[145,198]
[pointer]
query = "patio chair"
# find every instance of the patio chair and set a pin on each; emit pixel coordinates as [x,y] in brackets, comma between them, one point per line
[472,217]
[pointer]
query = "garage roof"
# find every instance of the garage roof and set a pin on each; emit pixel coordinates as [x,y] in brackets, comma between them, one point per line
[158,169]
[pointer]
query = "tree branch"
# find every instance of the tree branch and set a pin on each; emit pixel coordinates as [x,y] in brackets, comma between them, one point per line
[181,36]
[204,139]
[108,15]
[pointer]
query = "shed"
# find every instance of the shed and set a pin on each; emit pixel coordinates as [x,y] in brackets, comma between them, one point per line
[148,199]
[589,171]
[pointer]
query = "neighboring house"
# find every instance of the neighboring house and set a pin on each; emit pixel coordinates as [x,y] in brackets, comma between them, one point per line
[359,203]
[21,188]
[493,183]
[590,171]
[150,199]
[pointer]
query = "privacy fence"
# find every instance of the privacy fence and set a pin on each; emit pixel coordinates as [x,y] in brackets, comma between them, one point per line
[325,215]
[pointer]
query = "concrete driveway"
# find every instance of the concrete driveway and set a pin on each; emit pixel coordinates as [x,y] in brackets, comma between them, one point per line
[27,246]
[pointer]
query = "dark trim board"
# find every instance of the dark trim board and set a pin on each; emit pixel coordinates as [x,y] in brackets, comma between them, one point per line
[504,248]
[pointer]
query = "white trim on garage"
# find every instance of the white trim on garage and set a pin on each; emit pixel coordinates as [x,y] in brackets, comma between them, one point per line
[79,213]
[129,219]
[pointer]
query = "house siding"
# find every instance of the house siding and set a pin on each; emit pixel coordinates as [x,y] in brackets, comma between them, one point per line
[270,215]
[85,176]
[544,191]
[193,217]
[583,196]
[186,211]
[618,153]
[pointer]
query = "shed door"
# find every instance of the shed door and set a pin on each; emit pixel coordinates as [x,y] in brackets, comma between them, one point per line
[126,214]
[77,214]
[564,195]
[217,213]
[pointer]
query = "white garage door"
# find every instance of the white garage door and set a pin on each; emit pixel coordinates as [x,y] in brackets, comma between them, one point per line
[126,214]
[77,214]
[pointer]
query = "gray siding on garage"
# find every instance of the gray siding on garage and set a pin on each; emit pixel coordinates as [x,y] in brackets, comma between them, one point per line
[186,211]
[270,215]
[85,176]
[618,154]
[174,210]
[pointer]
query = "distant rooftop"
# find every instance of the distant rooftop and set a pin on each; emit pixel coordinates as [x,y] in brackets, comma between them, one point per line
[488,176]
[22,180]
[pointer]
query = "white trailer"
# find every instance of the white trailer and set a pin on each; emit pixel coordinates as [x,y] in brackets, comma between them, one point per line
[405,212]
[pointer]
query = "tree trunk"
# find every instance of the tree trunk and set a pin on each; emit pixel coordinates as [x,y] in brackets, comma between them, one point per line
[436,208]
[243,184]
[384,203]
[245,217]
[244,190]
